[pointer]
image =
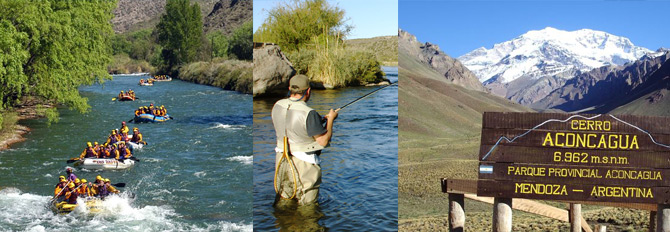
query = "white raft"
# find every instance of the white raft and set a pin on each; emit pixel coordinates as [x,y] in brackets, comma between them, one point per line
[134,146]
[104,164]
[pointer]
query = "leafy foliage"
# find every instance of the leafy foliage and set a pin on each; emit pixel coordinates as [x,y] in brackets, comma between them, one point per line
[238,45]
[293,26]
[220,45]
[179,33]
[312,33]
[241,42]
[49,48]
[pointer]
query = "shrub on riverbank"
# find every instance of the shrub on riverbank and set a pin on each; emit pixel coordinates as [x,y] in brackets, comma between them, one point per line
[227,74]
[337,67]
[311,33]
[122,64]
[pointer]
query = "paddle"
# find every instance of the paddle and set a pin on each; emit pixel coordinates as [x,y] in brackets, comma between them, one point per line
[63,189]
[72,160]
[114,99]
[134,159]
[120,185]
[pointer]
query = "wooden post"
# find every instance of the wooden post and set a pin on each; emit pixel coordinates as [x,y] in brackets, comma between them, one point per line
[575,217]
[502,214]
[601,228]
[663,218]
[456,212]
[652,221]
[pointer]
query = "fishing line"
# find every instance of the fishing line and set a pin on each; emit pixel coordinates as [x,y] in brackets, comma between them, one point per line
[364,96]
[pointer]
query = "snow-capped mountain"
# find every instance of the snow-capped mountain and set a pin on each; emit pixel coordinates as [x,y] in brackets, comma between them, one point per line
[549,52]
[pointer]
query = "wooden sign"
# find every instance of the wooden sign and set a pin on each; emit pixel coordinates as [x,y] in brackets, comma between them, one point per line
[575,157]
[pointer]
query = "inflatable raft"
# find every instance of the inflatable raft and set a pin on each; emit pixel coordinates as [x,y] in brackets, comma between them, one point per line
[168,79]
[146,84]
[151,118]
[104,164]
[93,204]
[134,146]
[126,98]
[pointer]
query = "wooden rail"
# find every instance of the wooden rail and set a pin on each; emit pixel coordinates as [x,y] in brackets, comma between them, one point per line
[459,189]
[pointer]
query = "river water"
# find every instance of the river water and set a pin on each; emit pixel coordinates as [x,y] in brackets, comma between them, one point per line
[359,170]
[195,174]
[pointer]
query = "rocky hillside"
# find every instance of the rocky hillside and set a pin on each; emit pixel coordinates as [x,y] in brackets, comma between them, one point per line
[131,15]
[385,48]
[449,69]
[439,125]
[224,15]
[603,89]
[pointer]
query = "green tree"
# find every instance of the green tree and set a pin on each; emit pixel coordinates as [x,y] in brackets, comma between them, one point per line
[220,44]
[50,48]
[179,33]
[293,26]
[241,42]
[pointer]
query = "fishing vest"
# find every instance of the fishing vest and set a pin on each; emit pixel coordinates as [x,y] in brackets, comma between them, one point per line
[290,119]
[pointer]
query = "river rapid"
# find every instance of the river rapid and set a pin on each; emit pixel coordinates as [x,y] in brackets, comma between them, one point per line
[359,169]
[195,174]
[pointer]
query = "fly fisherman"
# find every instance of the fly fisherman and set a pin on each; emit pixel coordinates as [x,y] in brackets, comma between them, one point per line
[307,136]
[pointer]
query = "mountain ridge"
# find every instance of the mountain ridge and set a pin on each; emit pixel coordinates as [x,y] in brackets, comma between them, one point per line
[450,70]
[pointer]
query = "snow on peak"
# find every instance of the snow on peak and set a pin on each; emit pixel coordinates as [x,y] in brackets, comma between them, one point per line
[550,51]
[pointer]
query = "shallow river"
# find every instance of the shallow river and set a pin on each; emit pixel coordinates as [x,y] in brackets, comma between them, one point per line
[359,170]
[195,174]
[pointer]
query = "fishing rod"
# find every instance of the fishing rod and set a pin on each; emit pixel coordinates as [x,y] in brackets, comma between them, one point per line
[364,96]
[323,119]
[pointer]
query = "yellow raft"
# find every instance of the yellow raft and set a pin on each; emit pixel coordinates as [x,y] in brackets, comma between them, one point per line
[93,204]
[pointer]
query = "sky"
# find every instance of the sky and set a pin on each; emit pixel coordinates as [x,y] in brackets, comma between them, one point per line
[459,27]
[370,18]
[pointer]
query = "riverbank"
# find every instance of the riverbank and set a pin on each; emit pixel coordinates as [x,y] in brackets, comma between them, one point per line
[234,75]
[11,131]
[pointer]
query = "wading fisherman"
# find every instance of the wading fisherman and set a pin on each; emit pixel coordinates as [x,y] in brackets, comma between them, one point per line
[292,118]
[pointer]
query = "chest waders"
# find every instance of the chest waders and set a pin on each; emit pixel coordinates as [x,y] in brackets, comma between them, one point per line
[285,159]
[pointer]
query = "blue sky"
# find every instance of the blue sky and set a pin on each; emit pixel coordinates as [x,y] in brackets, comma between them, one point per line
[370,18]
[459,27]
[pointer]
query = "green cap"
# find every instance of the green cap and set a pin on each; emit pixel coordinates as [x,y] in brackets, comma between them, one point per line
[299,83]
